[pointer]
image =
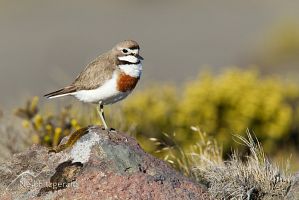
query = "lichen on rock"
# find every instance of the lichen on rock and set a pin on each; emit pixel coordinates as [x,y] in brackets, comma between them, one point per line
[99,165]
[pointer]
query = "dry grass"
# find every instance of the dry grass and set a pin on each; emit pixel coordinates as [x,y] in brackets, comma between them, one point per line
[253,177]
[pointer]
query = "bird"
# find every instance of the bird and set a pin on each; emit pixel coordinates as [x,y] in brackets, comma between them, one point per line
[109,78]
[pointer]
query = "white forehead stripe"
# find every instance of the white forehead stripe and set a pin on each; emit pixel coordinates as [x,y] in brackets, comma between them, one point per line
[135,51]
[129,58]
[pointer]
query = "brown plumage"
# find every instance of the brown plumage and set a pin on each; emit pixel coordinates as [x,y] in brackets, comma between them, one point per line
[97,72]
[108,79]
[126,83]
[65,90]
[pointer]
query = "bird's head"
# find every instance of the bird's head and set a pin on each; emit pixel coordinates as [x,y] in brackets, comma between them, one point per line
[127,51]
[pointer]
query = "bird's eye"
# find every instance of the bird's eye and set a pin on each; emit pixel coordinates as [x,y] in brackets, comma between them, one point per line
[125,51]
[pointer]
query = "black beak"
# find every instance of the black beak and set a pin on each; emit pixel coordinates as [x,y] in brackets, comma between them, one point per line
[139,57]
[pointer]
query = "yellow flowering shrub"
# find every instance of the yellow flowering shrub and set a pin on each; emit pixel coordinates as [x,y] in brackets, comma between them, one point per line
[221,106]
[235,101]
[150,112]
[161,116]
[46,129]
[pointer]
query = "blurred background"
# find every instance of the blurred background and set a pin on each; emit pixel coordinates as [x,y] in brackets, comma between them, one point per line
[224,66]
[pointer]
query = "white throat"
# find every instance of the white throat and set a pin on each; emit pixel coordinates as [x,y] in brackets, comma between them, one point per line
[133,70]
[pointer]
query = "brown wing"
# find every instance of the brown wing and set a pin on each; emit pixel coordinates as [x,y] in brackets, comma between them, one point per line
[61,92]
[95,74]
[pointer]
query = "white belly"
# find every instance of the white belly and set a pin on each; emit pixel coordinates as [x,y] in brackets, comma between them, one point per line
[107,93]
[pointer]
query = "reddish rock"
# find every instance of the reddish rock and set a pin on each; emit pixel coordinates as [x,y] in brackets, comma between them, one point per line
[98,166]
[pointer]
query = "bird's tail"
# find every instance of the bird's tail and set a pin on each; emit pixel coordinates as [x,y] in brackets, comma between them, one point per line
[62,92]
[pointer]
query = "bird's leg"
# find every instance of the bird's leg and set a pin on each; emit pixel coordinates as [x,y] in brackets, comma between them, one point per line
[101,113]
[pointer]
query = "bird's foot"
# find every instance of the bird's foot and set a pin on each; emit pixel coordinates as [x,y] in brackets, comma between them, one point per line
[108,129]
[113,134]
[112,130]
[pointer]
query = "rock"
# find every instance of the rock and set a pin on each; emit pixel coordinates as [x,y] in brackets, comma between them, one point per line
[99,165]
